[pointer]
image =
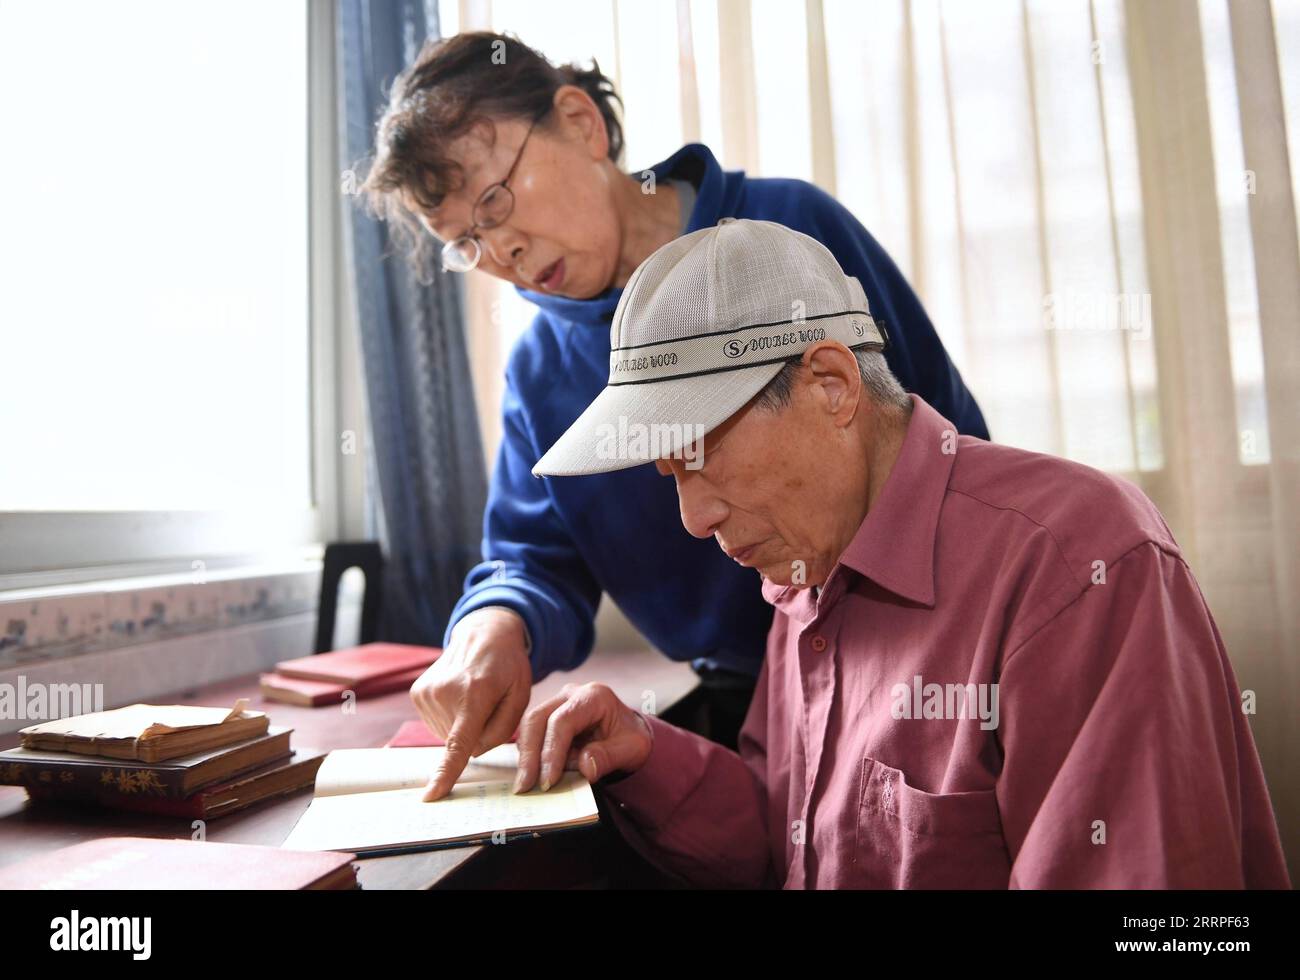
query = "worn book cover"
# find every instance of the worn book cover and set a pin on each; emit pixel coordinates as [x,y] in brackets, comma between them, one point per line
[87,776]
[147,732]
[279,778]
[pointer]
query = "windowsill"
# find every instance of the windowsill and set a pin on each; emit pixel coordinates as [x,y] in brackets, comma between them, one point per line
[45,622]
[134,638]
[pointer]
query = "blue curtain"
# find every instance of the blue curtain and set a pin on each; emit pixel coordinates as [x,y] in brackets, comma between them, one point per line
[427,455]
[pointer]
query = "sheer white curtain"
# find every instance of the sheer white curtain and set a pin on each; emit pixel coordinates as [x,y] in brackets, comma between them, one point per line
[1095,200]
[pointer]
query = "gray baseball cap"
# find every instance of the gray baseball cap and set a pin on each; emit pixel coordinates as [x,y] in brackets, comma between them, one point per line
[702,326]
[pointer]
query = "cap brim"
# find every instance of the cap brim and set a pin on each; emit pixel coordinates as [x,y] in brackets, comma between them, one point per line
[628,425]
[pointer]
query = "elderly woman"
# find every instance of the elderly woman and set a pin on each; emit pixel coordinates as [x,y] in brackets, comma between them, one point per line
[512,164]
[987,667]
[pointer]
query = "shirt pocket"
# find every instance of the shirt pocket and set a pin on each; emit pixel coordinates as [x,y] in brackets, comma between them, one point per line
[907,838]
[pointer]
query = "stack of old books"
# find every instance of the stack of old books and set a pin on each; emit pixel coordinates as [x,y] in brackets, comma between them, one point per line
[365,671]
[176,760]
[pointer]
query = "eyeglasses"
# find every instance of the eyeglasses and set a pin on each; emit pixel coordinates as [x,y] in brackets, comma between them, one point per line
[490,211]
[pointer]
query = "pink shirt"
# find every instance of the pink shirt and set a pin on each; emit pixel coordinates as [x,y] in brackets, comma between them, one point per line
[1112,753]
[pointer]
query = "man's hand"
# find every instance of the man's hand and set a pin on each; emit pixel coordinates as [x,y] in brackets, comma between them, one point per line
[585,727]
[475,693]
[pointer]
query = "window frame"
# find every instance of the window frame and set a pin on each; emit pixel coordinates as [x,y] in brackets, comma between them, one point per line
[44,548]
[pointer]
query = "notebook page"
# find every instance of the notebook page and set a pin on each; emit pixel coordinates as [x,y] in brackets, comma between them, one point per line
[368,821]
[376,770]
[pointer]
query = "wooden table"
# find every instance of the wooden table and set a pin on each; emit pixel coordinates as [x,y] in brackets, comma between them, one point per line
[570,859]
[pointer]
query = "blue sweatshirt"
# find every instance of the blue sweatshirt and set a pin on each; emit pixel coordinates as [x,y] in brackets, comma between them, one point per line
[551,545]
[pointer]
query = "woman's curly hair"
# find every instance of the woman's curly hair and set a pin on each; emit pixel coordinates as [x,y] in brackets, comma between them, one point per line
[454,84]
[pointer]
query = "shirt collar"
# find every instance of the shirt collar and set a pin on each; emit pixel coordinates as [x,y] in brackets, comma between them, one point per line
[894,545]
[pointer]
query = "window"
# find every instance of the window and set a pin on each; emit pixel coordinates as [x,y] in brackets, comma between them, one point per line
[156,320]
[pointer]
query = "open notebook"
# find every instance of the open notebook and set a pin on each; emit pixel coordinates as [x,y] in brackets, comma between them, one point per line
[368,802]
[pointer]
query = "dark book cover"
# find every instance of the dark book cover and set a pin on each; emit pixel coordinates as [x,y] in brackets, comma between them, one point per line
[88,776]
[279,778]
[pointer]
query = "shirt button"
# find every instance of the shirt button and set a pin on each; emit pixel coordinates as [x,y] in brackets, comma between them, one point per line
[818,643]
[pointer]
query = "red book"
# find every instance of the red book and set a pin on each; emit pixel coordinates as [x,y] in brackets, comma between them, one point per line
[360,665]
[416,734]
[312,694]
[132,863]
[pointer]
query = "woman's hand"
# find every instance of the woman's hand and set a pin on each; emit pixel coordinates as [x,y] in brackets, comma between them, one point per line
[475,693]
[585,727]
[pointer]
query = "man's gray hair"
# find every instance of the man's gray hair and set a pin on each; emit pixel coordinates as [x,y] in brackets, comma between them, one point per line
[881,385]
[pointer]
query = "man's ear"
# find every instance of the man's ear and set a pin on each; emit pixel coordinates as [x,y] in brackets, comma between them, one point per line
[835,374]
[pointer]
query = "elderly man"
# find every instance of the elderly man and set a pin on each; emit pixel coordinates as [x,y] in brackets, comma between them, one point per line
[987,668]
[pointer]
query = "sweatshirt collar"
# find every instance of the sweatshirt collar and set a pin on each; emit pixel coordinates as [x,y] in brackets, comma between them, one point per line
[716,197]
